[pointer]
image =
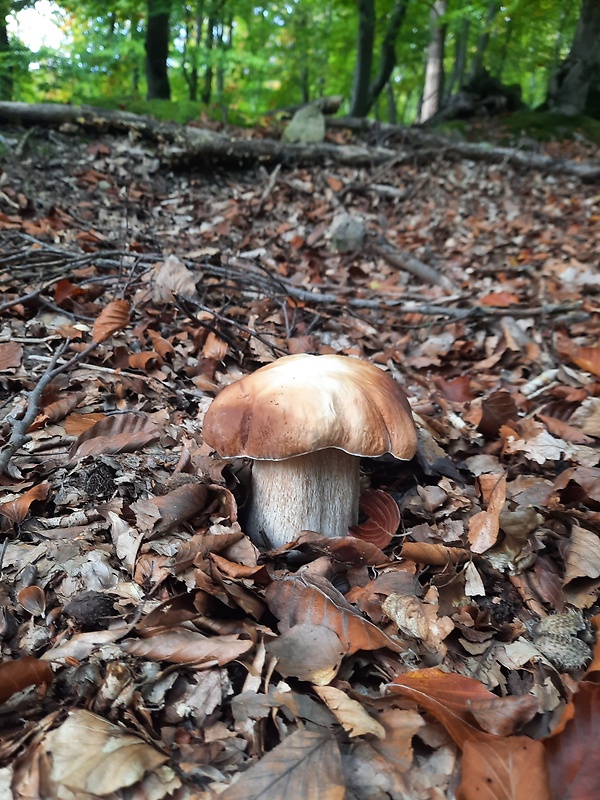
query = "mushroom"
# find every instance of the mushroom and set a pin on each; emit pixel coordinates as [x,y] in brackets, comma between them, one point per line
[305,420]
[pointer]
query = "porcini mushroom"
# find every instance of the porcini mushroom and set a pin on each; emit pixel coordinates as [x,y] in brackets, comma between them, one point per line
[305,420]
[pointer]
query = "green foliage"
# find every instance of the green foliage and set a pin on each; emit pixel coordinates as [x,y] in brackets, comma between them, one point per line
[545,126]
[262,56]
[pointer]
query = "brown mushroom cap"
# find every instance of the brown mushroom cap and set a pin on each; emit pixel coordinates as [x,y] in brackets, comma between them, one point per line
[303,403]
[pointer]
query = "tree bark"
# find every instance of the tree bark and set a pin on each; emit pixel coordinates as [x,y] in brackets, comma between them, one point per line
[6,68]
[434,72]
[181,144]
[387,59]
[575,86]
[157,49]
[457,76]
[359,104]
[482,41]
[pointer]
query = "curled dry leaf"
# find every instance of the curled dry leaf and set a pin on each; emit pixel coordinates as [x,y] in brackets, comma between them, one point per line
[16,510]
[342,549]
[89,754]
[162,514]
[587,358]
[22,672]
[57,410]
[312,599]
[32,599]
[114,317]
[450,698]
[436,555]
[161,346]
[305,766]
[119,433]
[351,715]
[407,612]
[308,652]
[11,355]
[182,646]
[145,360]
[383,518]
[505,769]
[75,424]
[484,527]
[496,410]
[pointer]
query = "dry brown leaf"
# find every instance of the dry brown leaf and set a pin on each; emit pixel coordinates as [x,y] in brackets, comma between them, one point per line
[11,355]
[383,518]
[161,346]
[118,433]
[573,747]
[565,431]
[583,556]
[89,754]
[305,766]
[161,514]
[182,646]
[304,598]
[308,652]
[75,424]
[16,510]
[437,555]
[505,769]
[484,527]
[172,276]
[145,360]
[342,549]
[114,317]
[214,347]
[450,698]
[496,410]
[351,715]
[20,673]
[57,410]
[32,599]
[587,358]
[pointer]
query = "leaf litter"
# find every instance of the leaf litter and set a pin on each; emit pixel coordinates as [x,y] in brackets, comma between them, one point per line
[449,644]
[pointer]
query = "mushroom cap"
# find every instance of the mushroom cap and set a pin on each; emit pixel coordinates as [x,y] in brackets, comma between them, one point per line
[303,403]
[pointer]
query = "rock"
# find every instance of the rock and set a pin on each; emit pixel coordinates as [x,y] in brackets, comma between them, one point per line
[307,126]
[347,233]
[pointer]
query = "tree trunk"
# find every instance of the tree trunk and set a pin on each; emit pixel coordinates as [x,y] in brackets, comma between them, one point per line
[575,86]
[392,114]
[157,49]
[434,72]
[387,60]
[209,71]
[482,41]
[6,68]
[359,104]
[457,76]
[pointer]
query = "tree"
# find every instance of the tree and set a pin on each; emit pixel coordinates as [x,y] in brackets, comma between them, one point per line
[157,49]
[575,86]
[364,90]
[434,70]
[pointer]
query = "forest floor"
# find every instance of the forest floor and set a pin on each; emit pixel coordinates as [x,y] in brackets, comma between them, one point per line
[149,650]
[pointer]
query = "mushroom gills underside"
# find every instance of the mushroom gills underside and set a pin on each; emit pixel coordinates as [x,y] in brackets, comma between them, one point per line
[317,492]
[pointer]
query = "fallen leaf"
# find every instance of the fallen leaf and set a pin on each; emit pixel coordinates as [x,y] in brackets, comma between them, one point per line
[351,715]
[572,749]
[182,646]
[303,598]
[308,652]
[89,754]
[16,510]
[111,319]
[505,769]
[18,674]
[484,527]
[383,518]
[118,433]
[305,766]
[583,555]
[11,355]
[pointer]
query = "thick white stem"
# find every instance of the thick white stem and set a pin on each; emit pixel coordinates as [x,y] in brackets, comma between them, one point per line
[316,492]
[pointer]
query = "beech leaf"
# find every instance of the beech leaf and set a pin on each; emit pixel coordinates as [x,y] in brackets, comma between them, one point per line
[114,317]
[118,433]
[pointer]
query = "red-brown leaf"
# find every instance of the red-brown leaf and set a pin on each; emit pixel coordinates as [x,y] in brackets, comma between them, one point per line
[111,319]
[504,769]
[182,646]
[11,354]
[16,510]
[119,433]
[22,672]
[383,518]
[311,599]
[573,749]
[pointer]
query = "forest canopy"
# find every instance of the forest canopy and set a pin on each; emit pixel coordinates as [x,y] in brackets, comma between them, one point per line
[397,60]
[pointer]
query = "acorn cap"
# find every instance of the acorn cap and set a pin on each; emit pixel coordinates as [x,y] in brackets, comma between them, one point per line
[303,403]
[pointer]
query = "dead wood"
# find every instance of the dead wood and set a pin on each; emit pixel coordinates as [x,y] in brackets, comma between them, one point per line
[187,144]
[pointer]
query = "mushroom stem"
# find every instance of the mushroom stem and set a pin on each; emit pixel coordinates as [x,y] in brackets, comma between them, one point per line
[318,492]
